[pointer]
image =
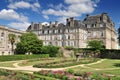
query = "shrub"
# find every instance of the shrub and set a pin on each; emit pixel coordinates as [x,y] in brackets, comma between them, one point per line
[68,47]
[22,57]
[51,50]
[65,78]
[111,54]
[71,71]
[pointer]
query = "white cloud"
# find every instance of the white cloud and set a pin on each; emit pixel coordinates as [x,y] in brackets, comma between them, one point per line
[20,4]
[46,17]
[12,15]
[24,5]
[35,7]
[74,8]
[75,1]
[59,12]
[45,23]
[19,25]
[57,7]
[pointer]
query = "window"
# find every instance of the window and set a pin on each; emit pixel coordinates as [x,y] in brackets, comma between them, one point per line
[43,32]
[101,34]
[68,36]
[2,34]
[88,34]
[53,31]
[58,31]
[101,25]
[48,31]
[94,34]
[88,26]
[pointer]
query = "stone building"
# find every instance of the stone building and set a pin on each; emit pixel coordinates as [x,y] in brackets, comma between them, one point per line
[5,46]
[101,27]
[72,34]
[76,33]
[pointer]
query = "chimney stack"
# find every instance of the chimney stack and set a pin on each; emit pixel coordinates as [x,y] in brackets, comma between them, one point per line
[50,24]
[71,22]
[32,25]
[56,23]
[39,25]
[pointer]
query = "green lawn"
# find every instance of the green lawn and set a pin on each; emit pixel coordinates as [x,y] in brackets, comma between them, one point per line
[105,67]
[37,61]
[107,63]
[7,64]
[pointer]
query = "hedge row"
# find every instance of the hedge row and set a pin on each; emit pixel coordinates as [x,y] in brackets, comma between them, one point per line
[112,54]
[22,57]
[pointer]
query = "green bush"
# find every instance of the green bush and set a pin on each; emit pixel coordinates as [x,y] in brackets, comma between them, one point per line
[4,72]
[22,57]
[51,50]
[111,54]
[65,78]
[71,71]
[68,47]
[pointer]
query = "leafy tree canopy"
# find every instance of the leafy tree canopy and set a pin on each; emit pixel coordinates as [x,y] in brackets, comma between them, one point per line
[96,44]
[29,43]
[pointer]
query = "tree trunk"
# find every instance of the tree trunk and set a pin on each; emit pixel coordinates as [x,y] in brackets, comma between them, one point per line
[12,47]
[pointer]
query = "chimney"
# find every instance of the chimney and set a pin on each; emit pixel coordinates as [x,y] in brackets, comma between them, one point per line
[56,23]
[32,25]
[71,18]
[71,22]
[87,15]
[67,22]
[39,25]
[50,24]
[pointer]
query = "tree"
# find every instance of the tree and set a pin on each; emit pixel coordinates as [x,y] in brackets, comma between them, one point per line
[119,35]
[29,43]
[96,44]
[51,50]
[12,38]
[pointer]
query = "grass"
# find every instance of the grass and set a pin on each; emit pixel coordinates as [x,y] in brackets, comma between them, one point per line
[107,63]
[7,64]
[102,67]
[37,61]
[65,63]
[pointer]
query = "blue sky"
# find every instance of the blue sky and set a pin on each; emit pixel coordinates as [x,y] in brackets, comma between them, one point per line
[20,13]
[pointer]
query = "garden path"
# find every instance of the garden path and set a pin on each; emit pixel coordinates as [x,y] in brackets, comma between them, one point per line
[30,68]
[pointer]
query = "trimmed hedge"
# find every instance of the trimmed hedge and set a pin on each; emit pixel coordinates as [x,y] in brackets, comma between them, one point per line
[111,54]
[22,57]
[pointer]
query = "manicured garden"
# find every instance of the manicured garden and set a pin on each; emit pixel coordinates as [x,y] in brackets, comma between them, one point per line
[108,67]
[64,63]
[15,75]
[71,75]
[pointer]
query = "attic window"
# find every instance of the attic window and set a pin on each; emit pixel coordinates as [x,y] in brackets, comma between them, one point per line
[2,34]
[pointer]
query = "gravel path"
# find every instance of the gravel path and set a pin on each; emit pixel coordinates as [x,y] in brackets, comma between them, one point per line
[30,68]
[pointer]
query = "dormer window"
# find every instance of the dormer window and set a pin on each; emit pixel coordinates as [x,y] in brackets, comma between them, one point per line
[2,34]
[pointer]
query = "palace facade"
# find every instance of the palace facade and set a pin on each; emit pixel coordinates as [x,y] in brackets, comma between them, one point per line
[76,33]
[72,34]
[5,45]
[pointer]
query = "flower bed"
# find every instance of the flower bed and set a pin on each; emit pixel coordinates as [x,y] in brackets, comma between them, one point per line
[13,75]
[70,75]
[64,63]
